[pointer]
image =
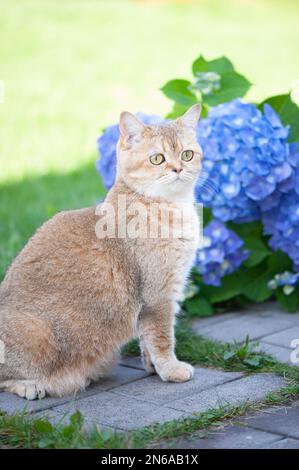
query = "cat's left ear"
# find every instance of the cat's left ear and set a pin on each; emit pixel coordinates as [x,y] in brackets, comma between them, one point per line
[129,125]
[191,117]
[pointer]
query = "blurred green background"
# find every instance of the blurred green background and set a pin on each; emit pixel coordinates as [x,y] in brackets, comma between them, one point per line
[69,68]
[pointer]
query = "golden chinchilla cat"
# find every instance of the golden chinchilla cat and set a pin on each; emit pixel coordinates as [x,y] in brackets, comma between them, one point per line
[72,297]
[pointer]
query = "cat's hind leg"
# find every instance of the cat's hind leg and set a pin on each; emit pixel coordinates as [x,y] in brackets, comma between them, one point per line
[29,389]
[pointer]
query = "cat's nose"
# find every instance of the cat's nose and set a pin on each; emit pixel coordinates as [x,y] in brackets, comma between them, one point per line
[177,170]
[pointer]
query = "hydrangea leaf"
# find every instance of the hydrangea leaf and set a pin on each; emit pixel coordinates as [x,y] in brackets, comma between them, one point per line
[233,85]
[230,288]
[258,251]
[198,307]
[178,91]
[288,302]
[251,234]
[177,110]
[279,261]
[220,65]
[255,282]
[288,112]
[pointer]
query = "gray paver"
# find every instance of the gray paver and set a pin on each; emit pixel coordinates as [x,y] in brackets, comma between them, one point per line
[134,362]
[122,412]
[252,388]
[230,437]
[280,353]
[283,338]
[152,389]
[282,444]
[239,327]
[283,421]
[119,376]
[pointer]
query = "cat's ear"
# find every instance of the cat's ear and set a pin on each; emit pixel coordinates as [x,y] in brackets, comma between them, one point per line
[129,125]
[191,117]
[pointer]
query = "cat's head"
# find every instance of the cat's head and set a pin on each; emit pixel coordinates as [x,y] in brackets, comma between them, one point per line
[160,161]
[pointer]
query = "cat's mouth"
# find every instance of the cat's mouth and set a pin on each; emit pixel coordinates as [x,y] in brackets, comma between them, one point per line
[182,177]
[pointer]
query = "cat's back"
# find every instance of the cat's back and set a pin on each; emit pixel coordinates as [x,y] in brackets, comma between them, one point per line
[63,248]
[66,230]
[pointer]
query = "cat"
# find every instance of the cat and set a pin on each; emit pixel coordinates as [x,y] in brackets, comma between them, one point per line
[71,299]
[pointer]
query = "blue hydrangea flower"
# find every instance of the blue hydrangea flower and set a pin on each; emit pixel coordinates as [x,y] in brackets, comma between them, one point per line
[287,280]
[106,163]
[221,254]
[246,157]
[282,224]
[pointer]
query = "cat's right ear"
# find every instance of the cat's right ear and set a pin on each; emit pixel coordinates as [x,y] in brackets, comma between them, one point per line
[129,125]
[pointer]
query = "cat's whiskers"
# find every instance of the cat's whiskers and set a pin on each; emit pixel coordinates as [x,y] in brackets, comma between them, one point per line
[204,183]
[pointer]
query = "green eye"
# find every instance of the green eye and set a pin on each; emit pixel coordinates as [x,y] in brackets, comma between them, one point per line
[187,155]
[157,159]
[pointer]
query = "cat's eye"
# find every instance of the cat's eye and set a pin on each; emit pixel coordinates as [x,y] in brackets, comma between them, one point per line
[157,159]
[187,155]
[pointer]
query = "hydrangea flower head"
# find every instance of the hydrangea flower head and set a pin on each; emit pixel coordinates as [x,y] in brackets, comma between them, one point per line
[246,158]
[282,224]
[221,254]
[287,280]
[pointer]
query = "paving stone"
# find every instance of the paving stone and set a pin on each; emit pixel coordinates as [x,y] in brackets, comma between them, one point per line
[119,376]
[134,362]
[251,388]
[117,411]
[273,309]
[153,390]
[218,318]
[283,338]
[237,328]
[284,421]
[282,444]
[230,437]
[280,353]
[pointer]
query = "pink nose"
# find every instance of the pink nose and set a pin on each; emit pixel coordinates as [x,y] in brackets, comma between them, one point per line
[177,170]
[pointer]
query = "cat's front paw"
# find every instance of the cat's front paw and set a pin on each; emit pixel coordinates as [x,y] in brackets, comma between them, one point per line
[176,371]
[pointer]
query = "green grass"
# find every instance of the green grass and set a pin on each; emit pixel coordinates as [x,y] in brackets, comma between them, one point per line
[23,431]
[70,67]
[198,350]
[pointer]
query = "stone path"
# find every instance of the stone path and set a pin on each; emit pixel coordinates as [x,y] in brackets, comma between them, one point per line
[274,329]
[269,429]
[130,398]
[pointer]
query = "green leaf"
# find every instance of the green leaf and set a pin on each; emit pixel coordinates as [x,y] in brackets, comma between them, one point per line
[207,216]
[279,262]
[251,234]
[247,229]
[288,302]
[230,287]
[178,91]
[233,85]
[42,426]
[177,111]
[228,355]
[220,65]
[258,251]
[198,306]
[254,361]
[255,282]
[288,112]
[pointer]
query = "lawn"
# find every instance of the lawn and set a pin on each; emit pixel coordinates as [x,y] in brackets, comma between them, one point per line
[70,67]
